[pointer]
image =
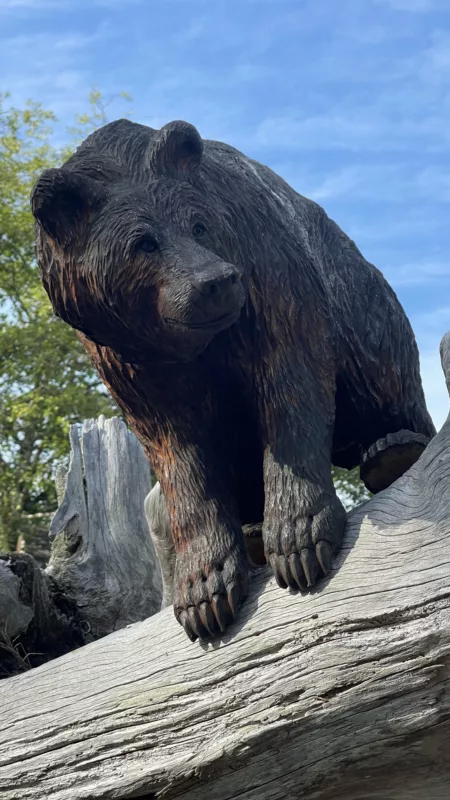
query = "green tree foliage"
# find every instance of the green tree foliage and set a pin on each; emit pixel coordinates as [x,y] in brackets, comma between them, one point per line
[349,487]
[46,381]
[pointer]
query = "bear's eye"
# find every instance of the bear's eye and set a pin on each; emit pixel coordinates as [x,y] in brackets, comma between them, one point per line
[198,230]
[148,245]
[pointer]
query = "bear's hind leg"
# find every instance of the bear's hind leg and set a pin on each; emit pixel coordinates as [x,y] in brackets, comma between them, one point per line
[390,457]
[377,425]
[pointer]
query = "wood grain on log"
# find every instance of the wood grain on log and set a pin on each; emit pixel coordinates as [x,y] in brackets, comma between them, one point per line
[339,694]
[103,572]
[15,615]
[36,622]
[106,558]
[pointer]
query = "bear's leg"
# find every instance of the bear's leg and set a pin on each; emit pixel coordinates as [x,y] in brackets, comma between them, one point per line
[380,400]
[390,457]
[211,565]
[385,440]
[385,412]
[304,520]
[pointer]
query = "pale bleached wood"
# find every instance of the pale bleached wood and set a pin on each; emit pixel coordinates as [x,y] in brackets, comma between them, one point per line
[103,554]
[15,615]
[103,572]
[158,522]
[341,694]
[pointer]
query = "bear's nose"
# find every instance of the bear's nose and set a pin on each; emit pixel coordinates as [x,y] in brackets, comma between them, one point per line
[215,284]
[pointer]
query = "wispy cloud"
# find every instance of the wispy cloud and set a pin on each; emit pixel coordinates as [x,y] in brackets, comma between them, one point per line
[426,272]
[436,322]
[413,6]
[358,130]
[389,183]
[34,5]
[60,77]
[112,4]
[61,5]
[353,182]
[348,180]
[50,45]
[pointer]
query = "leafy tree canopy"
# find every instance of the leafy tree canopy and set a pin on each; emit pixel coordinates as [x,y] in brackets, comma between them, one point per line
[46,381]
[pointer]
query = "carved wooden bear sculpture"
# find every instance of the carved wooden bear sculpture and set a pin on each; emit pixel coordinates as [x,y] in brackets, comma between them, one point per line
[247,341]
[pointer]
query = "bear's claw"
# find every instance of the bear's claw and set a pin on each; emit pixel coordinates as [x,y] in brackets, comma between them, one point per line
[300,552]
[208,597]
[300,572]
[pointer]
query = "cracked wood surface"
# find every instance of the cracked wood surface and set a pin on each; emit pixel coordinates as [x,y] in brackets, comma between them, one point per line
[103,572]
[103,555]
[340,694]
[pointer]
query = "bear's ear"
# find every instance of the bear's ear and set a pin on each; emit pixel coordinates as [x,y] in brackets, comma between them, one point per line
[61,200]
[176,151]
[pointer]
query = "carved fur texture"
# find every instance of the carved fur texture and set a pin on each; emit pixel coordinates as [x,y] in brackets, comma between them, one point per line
[246,339]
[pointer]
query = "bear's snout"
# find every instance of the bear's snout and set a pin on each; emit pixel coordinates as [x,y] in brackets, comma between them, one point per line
[216,292]
[217,282]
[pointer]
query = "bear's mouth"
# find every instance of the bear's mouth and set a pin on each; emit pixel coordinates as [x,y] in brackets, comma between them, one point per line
[224,321]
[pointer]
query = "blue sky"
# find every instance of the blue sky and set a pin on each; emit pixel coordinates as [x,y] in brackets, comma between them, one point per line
[349,100]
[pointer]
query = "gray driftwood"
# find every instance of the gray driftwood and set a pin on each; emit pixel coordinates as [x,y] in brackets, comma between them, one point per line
[103,572]
[15,615]
[341,694]
[103,553]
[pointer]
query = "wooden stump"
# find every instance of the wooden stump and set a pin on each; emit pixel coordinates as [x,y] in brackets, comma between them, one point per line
[103,554]
[103,572]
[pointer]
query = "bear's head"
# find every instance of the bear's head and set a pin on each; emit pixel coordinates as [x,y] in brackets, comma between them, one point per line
[139,258]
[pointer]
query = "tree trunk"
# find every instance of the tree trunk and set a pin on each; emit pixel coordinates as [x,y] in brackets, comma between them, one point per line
[103,572]
[339,694]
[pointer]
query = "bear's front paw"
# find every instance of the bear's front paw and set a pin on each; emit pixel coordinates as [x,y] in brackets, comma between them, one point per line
[209,587]
[299,550]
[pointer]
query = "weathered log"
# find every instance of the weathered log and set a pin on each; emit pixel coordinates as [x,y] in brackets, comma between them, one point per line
[103,572]
[340,694]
